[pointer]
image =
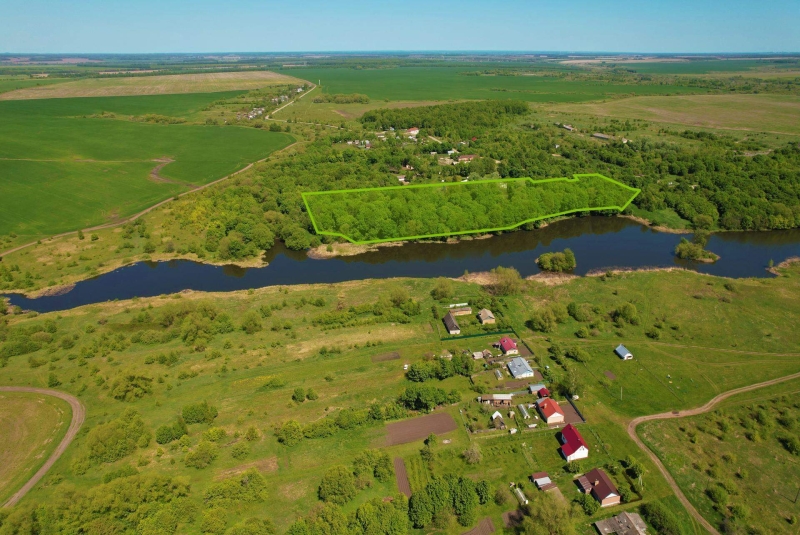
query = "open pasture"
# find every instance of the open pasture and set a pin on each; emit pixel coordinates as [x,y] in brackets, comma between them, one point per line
[734,463]
[448,83]
[758,113]
[62,169]
[152,85]
[31,426]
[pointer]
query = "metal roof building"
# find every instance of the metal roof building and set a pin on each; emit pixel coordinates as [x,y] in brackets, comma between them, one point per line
[520,368]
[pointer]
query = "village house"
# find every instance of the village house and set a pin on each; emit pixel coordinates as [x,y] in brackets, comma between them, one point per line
[573,447]
[412,132]
[551,413]
[519,368]
[486,317]
[623,353]
[451,324]
[602,136]
[461,311]
[568,127]
[624,523]
[496,400]
[467,157]
[508,346]
[601,487]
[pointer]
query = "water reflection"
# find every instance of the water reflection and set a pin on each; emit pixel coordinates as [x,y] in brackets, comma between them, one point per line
[598,243]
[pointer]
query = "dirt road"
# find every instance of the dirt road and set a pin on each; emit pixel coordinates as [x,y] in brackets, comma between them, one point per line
[693,412]
[78,416]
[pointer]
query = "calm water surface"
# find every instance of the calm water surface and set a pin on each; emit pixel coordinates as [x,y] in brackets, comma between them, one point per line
[598,242]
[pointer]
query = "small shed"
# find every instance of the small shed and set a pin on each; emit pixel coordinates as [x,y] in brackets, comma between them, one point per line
[534,389]
[486,317]
[540,479]
[543,393]
[623,353]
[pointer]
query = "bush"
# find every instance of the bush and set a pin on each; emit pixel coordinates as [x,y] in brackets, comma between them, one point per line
[557,262]
[251,323]
[717,494]
[118,438]
[588,503]
[215,434]
[661,519]
[299,395]
[473,455]
[199,413]
[240,450]
[203,455]
[311,395]
[131,387]
[507,281]
[338,486]
[290,433]
[443,289]
[169,433]
[124,471]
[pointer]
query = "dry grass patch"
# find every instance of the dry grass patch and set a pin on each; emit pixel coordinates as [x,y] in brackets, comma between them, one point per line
[154,85]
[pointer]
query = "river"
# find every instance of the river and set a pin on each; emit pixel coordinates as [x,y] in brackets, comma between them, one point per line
[598,243]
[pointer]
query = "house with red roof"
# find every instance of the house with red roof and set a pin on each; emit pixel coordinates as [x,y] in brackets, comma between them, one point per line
[551,413]
[413,131]
[573,445]
[508,346]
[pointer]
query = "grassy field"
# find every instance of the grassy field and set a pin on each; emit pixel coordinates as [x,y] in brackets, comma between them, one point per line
[151,85]
[446,83]
[64,169]
[744,66]
[713,337]
[12,83]
[31,426]
[759,113]
[736,456]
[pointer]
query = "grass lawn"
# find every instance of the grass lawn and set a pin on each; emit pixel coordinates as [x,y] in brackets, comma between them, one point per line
[63,171]
[31,426]
[447,83]
[758,113]
[151,85]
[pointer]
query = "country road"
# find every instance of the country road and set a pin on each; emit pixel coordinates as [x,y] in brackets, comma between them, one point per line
[693,412]
[78,416]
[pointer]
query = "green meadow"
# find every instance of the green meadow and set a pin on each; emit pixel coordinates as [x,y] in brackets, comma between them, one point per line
[449,83]
[705,67]
[63,167]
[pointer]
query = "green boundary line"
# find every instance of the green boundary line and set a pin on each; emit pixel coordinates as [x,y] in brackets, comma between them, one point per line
[575,178]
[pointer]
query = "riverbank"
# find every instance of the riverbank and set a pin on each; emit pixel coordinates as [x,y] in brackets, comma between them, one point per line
[599,243]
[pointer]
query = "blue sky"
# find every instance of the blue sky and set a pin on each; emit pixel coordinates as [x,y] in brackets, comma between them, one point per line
[129,26]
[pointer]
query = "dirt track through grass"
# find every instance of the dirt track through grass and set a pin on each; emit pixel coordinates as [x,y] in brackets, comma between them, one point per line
[692,412]
[78,416]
